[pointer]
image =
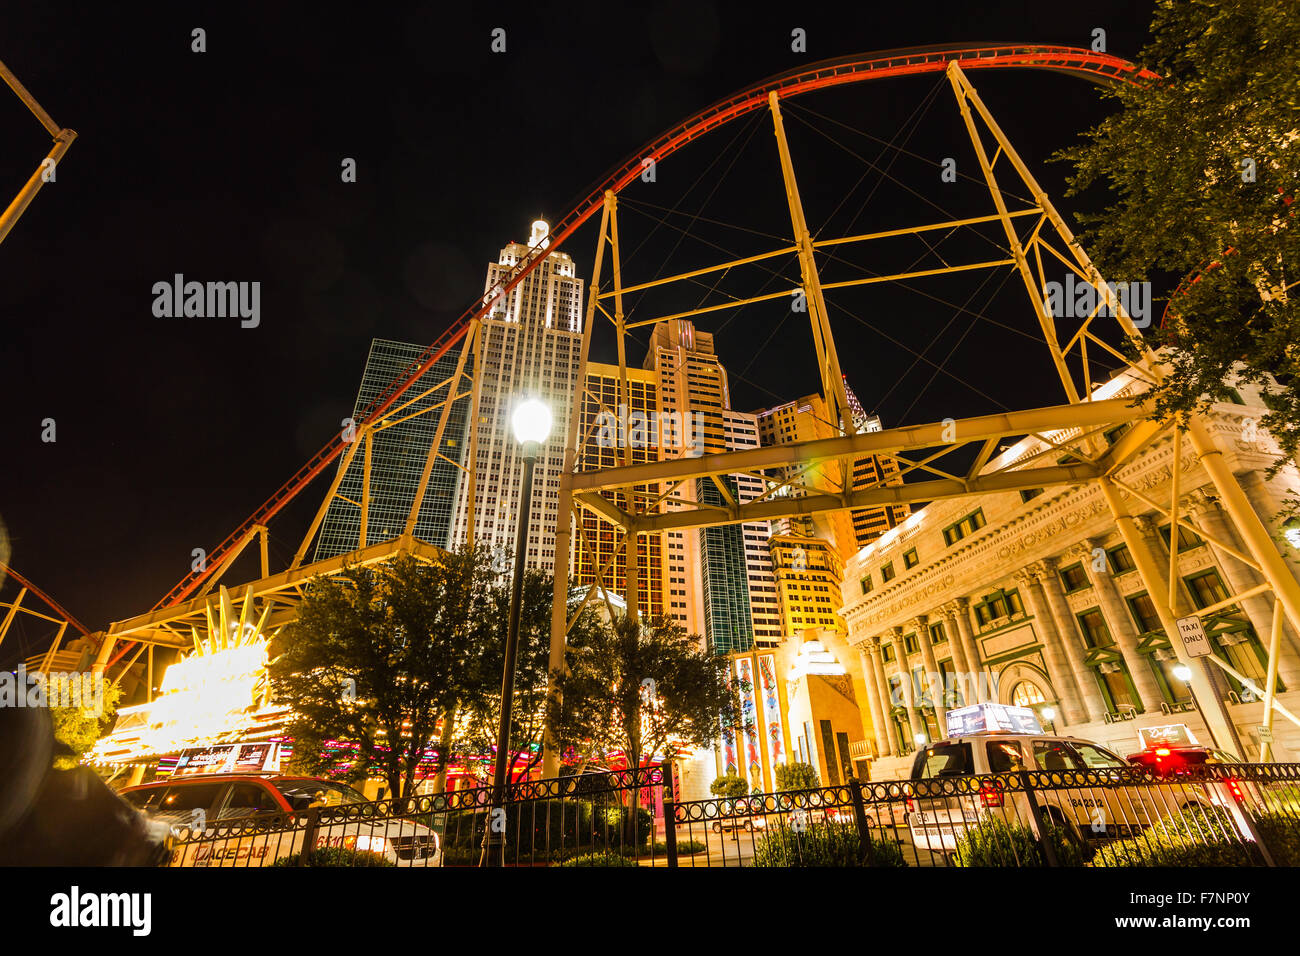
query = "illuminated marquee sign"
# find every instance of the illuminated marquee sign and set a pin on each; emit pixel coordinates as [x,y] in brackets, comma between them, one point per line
[990,716]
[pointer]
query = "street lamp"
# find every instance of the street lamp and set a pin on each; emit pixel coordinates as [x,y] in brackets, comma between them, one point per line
[1049,715]
[1184,673]
[531,423]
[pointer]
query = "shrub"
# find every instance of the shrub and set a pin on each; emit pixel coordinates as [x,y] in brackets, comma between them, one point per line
[796,776]
[546,829]
[1281,834]
[823,844]
[1194,836]
[995,842]
[600,859]
[729,785]
[336,856]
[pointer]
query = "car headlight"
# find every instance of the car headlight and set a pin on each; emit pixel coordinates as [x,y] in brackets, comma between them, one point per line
[372,844]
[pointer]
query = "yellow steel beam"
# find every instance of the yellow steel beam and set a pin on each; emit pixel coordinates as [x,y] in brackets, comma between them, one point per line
[907,493]
[889,440]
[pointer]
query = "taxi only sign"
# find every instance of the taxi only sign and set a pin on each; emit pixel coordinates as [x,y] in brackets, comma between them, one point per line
[1193,634]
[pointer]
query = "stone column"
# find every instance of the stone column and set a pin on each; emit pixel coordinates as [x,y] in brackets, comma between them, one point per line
[959,610]
[1120,623]
[908,686]
[882,694]
[1207,514]
[1151,538]
[865,651]
[1059,671]
[1071,642]
[931,667]
[957,648]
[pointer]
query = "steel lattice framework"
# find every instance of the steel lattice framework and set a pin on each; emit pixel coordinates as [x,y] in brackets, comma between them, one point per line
[1072,429]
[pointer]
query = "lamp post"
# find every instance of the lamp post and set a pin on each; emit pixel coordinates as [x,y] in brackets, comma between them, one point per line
[531,423]
[1184,674]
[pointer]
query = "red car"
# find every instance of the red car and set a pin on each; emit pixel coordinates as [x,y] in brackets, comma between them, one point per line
[1168,761]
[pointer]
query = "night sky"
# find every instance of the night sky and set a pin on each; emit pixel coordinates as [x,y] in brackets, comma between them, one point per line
[225,166]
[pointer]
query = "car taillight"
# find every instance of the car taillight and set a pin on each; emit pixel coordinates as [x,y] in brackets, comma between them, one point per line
[1235,787]
[990,796]
[910,805]
[1163,751]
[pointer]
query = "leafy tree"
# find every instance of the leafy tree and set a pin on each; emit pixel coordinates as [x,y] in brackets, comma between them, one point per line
[79,727]
[797,776]
[485,663]
[1203,165]
[373,659]
[645,689]
[729,786]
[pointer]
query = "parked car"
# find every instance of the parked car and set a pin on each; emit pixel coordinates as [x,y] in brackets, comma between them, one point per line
[200,802]
[739,815]
[1165,760]
[1086,813]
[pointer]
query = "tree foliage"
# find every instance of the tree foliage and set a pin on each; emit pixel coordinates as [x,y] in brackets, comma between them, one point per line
[1203,169]
[375,656]
[80,727]
[796,776]
[608,705]
[729,785]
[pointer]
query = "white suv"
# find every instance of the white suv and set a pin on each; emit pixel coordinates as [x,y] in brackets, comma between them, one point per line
[1105,807]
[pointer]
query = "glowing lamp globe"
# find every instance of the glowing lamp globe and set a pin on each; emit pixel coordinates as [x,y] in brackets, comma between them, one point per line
[1049,713]
[1183,672]
[531,421]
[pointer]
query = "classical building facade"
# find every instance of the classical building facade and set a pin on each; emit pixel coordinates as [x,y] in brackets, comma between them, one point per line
[1032,598]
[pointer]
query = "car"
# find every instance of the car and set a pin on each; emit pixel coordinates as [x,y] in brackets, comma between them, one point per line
[739,816]
[199,803]
[1169,760]
[1101,811]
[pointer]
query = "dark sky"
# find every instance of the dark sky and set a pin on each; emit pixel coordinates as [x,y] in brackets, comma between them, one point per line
[225,165]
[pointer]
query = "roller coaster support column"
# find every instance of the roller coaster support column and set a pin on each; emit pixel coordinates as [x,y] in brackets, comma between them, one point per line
[564,511]
[45,172]
[828,360]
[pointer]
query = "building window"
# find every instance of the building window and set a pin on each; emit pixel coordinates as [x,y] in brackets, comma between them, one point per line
[1074,578]
[886,652]
[910,644]
[867,584]
[1093,626]
[999,604]
[937,634]
[1120,559]
[910,560]
[1116,687]
[967,525]
[1144,614]
[887,573]
[1029,494]
[1187,538]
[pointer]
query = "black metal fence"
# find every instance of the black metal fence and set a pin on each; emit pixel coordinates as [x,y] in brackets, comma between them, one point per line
[1216,815]
[582,819]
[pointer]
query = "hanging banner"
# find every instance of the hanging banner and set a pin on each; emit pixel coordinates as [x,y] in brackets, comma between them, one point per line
[771,710]
[749,713]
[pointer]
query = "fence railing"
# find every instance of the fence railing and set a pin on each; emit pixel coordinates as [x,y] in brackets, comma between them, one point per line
[1215,815]
[575,820]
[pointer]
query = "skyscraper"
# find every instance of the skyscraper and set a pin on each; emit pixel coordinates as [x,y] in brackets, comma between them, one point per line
[397,460]
[531,343]
[610,421]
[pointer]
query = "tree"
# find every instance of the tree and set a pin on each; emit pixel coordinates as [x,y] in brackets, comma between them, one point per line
[646,689]
[80,726]
[730,786]
[1204,165]
[375,656]
[797,776]
[485,661]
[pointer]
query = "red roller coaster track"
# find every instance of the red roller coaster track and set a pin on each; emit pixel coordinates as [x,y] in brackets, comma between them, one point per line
[1095,67]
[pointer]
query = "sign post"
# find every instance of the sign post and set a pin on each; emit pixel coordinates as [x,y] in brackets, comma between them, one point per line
[1192,631]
